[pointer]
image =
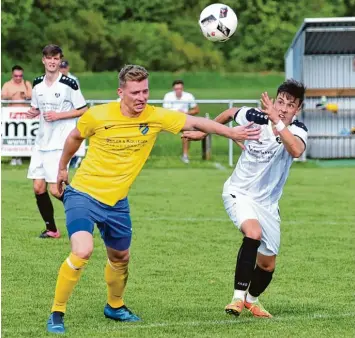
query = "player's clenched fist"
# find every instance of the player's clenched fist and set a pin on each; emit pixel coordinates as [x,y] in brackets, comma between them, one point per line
[32,113]
[51,116]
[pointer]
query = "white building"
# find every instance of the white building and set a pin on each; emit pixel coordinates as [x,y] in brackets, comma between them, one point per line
[322,56]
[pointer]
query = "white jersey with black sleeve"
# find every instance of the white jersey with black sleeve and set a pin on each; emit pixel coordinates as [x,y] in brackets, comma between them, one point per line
[264,165]
[62,96]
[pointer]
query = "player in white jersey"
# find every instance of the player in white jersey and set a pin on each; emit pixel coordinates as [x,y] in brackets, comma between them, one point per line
[252,192]
[184,102]
[59,101]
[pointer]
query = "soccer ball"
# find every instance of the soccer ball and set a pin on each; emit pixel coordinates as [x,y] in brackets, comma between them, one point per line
[218,22]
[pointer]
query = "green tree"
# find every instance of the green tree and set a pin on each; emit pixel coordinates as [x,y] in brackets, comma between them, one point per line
[349,7]
[156,47]
[13,13]
[101,35]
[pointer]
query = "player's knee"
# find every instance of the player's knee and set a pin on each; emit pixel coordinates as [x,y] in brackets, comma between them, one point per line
[39,188]
[83,252]
[254,233]
[267,264]
[267,267]
[82,244]
[118,256]
[252,229]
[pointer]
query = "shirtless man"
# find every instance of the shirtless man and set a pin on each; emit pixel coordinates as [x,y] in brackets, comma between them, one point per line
[16,89]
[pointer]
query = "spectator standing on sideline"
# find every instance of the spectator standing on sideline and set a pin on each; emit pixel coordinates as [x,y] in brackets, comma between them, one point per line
[184,102]
[16,89]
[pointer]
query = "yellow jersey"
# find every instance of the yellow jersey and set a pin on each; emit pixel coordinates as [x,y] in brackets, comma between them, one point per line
[118,148]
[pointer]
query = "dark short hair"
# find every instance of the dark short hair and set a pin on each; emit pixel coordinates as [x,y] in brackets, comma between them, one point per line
[177,82]
[16,67]
[64,64]
[52,50]
[292,88]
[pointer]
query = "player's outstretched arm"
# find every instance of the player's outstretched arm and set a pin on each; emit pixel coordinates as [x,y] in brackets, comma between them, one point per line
[223,118]
[71,146]
[212,127]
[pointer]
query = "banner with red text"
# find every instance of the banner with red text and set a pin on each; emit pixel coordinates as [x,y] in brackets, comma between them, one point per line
[18,133]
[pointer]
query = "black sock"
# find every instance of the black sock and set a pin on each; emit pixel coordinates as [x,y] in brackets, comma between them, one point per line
[260,281]
[46,210]
[245,263]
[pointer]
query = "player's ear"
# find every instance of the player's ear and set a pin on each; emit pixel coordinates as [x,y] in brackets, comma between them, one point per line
[120,92]
[299,109]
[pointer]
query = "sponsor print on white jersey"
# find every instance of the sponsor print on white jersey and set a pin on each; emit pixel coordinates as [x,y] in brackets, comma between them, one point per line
[183,104]
[264,165]
[62,96]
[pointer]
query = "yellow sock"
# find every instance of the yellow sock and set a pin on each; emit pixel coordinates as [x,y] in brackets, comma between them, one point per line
[68,277]
[116,275]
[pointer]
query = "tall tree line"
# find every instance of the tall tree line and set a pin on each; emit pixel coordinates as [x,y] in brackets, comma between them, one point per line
[99,35]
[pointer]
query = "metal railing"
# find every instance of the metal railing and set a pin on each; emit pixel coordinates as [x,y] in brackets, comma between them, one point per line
[229,102]
[322,143]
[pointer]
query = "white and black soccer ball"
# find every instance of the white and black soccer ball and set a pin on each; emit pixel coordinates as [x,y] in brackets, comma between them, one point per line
[218,22]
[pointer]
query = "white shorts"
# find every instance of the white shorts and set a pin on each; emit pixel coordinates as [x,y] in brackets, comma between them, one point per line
[44,165]
[243,207]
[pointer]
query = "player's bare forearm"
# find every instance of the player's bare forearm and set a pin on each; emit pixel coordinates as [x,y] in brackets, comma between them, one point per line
[211,127]
[71,114]
[71,146]
[293,144]
[205,125]
[223,118]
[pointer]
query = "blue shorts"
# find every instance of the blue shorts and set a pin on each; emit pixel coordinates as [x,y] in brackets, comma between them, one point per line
[83,211]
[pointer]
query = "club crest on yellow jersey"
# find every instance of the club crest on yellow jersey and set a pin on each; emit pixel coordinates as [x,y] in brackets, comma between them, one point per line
[143,127]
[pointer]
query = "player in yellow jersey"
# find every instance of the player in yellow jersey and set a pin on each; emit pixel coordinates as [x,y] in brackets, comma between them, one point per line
[122,134]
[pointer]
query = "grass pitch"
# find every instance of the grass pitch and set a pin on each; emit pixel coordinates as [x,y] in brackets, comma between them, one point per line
[183,257]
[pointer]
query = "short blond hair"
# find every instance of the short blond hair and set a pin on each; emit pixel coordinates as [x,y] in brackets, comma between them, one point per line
[132,73]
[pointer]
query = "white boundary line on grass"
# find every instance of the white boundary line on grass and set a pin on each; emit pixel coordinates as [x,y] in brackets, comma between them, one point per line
[236,321]
[205,219]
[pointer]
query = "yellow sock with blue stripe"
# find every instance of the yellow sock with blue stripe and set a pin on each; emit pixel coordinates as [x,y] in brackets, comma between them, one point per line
[68,277]
[116,275]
